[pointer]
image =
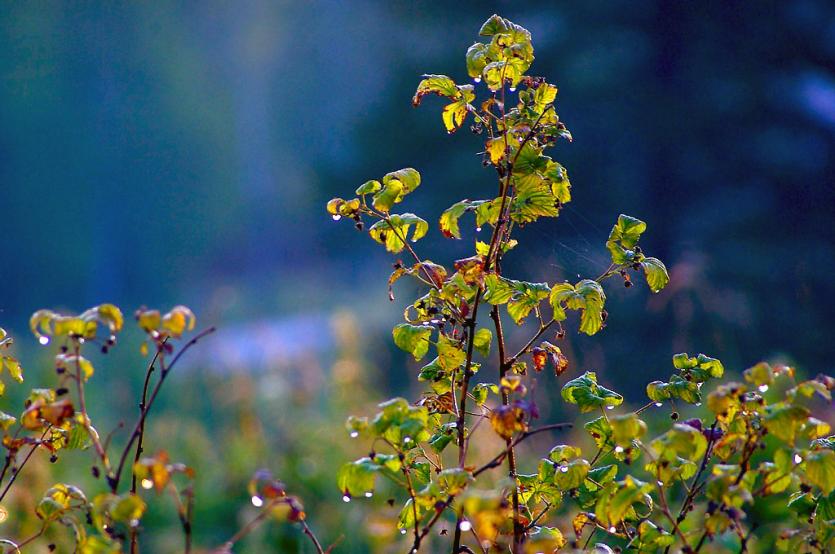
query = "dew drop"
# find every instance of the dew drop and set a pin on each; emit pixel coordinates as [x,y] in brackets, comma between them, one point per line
[346,498]
[610,407]
[659,404]
[354,434]
[336,217]
[43,340]
[612,529]
[465,526]
[147,483]
[477,79]
[257,501]
[407,440]
[512,89]
[618,449]
[478,229]
[563,469]
[797,459]
[369,494]
[402,531]
[762,388]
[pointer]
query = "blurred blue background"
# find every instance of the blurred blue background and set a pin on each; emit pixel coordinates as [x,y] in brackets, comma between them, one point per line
[161,153]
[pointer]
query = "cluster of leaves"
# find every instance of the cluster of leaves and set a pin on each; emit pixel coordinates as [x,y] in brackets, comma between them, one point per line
[626,490]
[56,419]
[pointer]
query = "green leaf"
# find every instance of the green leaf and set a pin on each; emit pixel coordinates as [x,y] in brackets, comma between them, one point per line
[369,187]
[396,185]
[627,428]
[820,470]
[613,507]
[394,232]
[623,238]
[760,374]
[699,368]
[544,95]
[448,223]
[785,420]
[627,230]
[454,480]
[563,453]
[656,273]
[588,296]
[476,59]
[588,395]
[601,431]
[533,200]
[436,84]
[572,474]
[482,340]
[358,477]
[454,114]
[521,297]
[681,441]
[545,539]
[560,184]
[414,339]
[678,388]
[127,508]
[450,355]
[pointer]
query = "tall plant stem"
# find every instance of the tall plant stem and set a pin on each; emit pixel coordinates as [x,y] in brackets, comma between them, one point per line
[82,404]
[518,528]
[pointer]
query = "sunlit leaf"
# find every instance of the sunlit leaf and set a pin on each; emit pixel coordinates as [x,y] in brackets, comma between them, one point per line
[588,394]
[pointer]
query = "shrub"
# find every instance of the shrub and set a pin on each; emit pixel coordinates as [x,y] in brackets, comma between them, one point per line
[695,482]
[56,419]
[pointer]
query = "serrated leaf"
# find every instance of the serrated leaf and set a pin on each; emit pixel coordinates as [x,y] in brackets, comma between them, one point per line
[588,394]
[656,273]
[394,232]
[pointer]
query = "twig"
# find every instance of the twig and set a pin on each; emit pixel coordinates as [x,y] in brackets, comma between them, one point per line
[23,463]
[114,480]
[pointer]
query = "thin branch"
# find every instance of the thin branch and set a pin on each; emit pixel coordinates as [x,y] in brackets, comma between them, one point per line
[114,480]
[19,469]
[142,404]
